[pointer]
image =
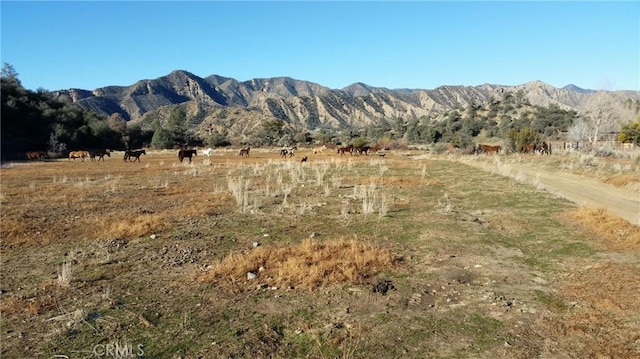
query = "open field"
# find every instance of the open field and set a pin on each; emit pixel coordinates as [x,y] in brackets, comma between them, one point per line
[152,259]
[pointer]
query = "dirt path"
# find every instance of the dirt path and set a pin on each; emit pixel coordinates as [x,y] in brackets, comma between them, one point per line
[580,190]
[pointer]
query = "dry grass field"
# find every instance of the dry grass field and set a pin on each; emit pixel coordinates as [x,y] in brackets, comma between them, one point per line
[405,255]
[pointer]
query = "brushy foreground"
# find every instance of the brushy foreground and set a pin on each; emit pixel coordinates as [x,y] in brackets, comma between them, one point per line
[159,256]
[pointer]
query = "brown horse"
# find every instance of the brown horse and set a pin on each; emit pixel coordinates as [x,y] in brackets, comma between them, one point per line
[488,149]
[530,148]
[35,155]
[182,154]
[342,150]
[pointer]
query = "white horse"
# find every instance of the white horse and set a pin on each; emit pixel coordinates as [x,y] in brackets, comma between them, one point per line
[208,151]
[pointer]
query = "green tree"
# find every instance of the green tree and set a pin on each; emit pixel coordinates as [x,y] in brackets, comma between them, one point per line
[272,131]
[162,138]
[323,136]
[630,133]
[177,126]
[517,139]
[302,137]
[137,137]
[217,139]
[9,74]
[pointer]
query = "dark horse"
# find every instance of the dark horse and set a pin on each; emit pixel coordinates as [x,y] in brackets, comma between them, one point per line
[128,154]
[182,154]
[244,152]
[99,154]
[545,148]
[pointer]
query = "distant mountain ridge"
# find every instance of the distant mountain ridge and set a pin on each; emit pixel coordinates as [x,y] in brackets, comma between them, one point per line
[310,105]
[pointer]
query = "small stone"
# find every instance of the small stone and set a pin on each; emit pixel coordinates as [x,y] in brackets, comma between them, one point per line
[153,236]
[256,244]
[251,275]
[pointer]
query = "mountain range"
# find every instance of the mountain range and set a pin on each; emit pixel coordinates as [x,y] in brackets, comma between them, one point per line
[217,101]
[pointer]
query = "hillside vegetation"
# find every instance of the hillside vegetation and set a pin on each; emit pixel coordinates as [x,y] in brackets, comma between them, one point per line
[182,109]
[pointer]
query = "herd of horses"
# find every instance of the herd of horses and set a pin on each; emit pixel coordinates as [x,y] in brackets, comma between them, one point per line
[94,155]
[134,155]
[542,148]
[357,150]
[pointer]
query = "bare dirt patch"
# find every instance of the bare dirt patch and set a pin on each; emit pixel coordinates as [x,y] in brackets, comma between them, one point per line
[582,190]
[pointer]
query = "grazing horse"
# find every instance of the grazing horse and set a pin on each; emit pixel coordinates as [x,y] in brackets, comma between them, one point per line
[78,154]
[530,148]
[99,154]
[128,154]
[490,149]
[182,154]
[35,155]
[244,152]
[208,151]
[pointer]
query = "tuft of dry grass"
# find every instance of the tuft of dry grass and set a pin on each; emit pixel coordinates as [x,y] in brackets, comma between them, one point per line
[66,274]
[616,233]
[622,180]
[309,264]
[135,226]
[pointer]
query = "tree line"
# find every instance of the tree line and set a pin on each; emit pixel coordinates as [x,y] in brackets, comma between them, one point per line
[34,121]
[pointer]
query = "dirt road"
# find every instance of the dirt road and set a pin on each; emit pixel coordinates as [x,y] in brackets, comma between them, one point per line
[578,189]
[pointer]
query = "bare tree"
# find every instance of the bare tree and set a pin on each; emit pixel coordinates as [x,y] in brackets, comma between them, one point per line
[579,131]
[600,116]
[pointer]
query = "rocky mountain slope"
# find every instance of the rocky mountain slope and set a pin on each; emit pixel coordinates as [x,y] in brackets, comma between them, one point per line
[310,105]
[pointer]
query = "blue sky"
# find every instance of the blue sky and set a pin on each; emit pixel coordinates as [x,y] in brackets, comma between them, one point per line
[418,44]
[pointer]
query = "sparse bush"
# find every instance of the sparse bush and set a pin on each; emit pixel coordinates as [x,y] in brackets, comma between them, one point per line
[588,160]
[439,148]
[605,152]
[65,275]
[444,204]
